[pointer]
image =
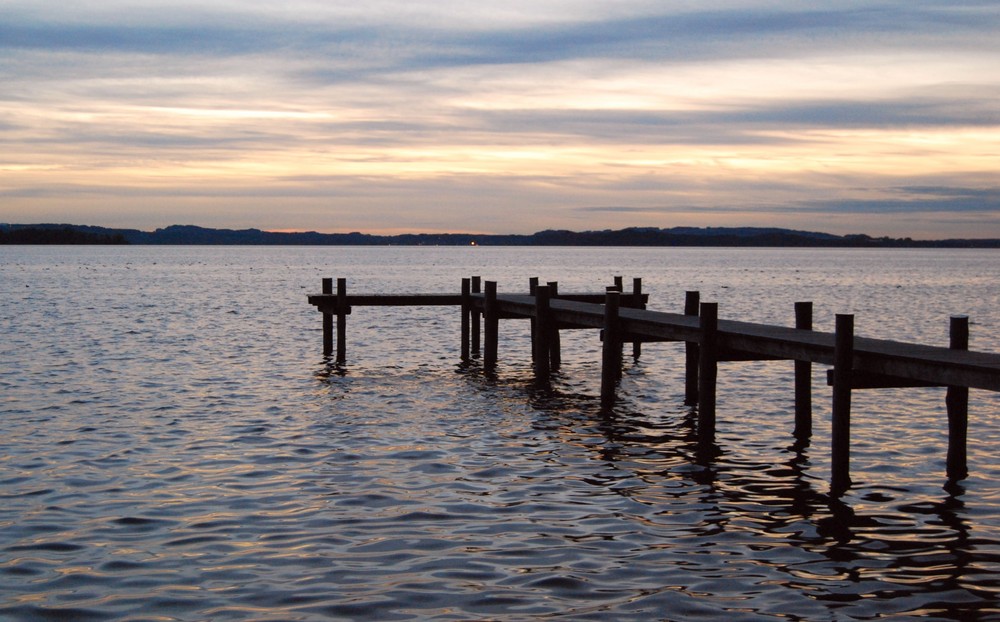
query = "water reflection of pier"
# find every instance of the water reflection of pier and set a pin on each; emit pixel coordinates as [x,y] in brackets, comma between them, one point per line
[622,317]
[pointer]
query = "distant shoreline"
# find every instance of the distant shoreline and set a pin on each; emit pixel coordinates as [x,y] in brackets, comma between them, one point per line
[38,234]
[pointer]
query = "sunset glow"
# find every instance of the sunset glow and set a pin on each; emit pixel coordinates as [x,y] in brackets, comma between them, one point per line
[548,115]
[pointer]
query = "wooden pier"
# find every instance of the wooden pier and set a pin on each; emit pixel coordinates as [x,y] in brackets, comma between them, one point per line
[622,317]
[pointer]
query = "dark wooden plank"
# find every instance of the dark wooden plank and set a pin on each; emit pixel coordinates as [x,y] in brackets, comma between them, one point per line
[868,380]
[389,300]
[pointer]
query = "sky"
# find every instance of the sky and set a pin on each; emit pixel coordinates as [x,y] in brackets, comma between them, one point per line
[386,116]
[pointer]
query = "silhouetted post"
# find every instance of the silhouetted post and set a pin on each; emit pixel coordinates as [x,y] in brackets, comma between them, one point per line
[620,284]
[342,311]
[843,377]
[477,288]
[543,332]
[958,407]
[327,321]
[555,343]
[691,302]
[638,304]
[612,351]
[803,376]
[466,317]
[708,359]
[491,328]
[532,289]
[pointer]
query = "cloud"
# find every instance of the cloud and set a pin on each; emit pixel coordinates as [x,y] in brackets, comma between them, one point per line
[916,200]
[644,110]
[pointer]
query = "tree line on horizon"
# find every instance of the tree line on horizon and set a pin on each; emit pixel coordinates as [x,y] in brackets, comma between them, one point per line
[633,236]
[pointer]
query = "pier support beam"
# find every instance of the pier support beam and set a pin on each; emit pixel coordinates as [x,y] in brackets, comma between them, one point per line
[803,376]
[466,317]
[611,360]
[555,342]
[958,407]
[708,358]
[542,346]
[491,327]
[327,321]
[840,435]
[477,288]
[637,303]
[691,302]
[533,290]
[342,312]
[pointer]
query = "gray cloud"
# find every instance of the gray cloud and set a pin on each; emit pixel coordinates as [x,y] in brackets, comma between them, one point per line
[671,35]
[915,200]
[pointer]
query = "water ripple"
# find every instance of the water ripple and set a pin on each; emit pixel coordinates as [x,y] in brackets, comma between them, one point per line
[192,458]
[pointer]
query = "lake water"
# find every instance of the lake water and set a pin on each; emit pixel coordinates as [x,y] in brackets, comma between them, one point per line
[175,447]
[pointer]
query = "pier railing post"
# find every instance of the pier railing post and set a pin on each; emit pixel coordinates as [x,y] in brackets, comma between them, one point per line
[466,317]
[555,342]
[843,374]
[342,312]
[708,359]
[543,333]
[691,302]
[803,376]
[611,360]
[491,326]
[327,321]
[957,401]
[477,288]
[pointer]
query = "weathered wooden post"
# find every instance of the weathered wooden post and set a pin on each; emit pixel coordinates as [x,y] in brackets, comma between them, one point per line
[491,328]
[555,342]
[466,317]
[637,304]
[843,379]
[619,287]
[532,288]
[543,332]
[327,321]
[708,369]
[612,349]
[803,376]
[342,312]
[477,288]
[691,302]
[957,401]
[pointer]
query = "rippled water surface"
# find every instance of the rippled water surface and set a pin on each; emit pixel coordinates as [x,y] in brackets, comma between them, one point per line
[175,447]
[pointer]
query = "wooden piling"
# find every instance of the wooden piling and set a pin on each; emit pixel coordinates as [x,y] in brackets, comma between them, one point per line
[327,321]
[708,358]
[840,435]
[612,348]
[803,376]
[477,288]
[491,326]
[619,284]
[466,318]
[543,332]
[691,302]
[637,303]
[532,289]
[555,343]
[342,311]
[957,401]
